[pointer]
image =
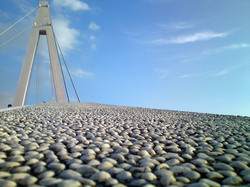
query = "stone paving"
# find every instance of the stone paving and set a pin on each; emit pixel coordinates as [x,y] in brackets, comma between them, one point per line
[101,145]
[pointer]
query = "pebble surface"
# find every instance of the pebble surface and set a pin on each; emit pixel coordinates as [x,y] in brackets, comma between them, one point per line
[101,145]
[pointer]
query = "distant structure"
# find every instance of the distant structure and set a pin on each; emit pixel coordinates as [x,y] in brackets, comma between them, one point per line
[42,26]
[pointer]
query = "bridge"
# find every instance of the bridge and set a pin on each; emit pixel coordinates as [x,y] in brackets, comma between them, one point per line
[42,26]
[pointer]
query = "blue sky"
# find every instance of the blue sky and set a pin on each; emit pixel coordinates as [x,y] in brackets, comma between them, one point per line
[185,55]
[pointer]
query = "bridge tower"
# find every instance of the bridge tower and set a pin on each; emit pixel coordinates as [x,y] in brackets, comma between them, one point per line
[42,26]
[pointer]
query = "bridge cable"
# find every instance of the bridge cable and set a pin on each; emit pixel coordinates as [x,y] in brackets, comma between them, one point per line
[52,85]
[65,85]
[41,69]
[27,96]
[17,21]
[16,35]
[38,70]
[68,72]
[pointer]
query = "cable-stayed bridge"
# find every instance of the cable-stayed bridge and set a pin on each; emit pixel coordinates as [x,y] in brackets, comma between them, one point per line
[42,26]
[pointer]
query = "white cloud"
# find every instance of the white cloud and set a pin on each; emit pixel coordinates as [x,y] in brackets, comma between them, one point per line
[82,74]
[74,5]
[92,41]
[181,25]
[197,37]
[93,26]
[66,36]
[224,71]
[200,36]
[25,6]
[92,38]
[209,73]
[237,46]
[225,48]
[93,46]
[162,72]
[191,75]
[177,26]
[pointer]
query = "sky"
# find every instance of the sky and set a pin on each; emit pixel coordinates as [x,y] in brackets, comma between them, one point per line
[183,55]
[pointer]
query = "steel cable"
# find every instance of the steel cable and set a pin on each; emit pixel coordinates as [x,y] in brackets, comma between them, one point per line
[16,35]
[17,21]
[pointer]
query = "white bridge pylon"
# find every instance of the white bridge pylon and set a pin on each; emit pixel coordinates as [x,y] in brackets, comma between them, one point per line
[42,26]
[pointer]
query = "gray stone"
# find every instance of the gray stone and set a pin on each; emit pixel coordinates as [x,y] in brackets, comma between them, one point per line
[74,161]
[18,176]
[138,182]
[115,171]
[124,166]
[173,162]
[124,176]
[40,169]
[245,172]
[149,176]
[32,161]
[198,184]
[56,166]
[187,156]
[144,154]
[88,152]
[111,182]
[69,183]
[193,175]
[162,166]
[50,181]
[118,157]
[3,155]
[101,176]
[29,180]
[47,174]
[87,158]
[87,171]
[183,179]
[210,182]
[94,162]
[203,170]
[4,174]
[225,158]
[5,165]
[190,150]
[199,162]
[167,179]
[113,161]
[215,175]
[76,148]
[189,165]
[68,174]
[227,173]
[232,180]
[247,178]
[222,166]
[105,165]
[238,165]
[7,183]
[16,158]
[75,166]
[179,169]
[85,181]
